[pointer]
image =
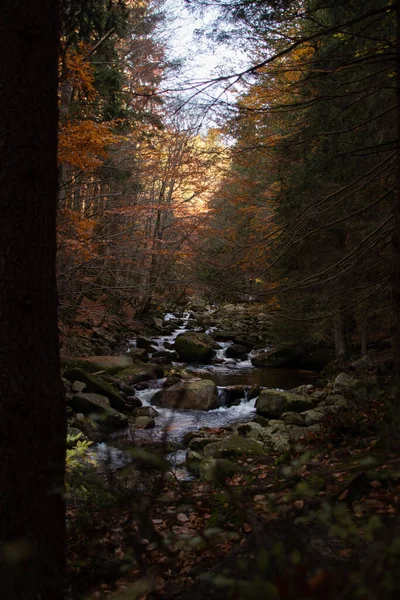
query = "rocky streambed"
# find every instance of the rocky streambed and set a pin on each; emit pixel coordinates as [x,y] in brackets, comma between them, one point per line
[194,396]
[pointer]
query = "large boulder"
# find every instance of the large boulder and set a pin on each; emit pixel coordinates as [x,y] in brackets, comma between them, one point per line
[236,445]
[99,409]
[196,395]
[138,354]
[194,347]
[275,358]
[95,385]
[365,363]
[236,351]
[231,395]
[144,423]
[299,357]
[94,364]
[141,372]
[273,403]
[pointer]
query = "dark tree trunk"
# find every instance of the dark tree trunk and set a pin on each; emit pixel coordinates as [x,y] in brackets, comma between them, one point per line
[396,216]
[32,412]
[339,338]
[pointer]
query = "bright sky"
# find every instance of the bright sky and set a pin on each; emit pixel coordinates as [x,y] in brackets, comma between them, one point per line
[203,60]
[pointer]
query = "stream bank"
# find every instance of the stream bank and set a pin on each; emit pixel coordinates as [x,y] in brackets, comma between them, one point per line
[153,391]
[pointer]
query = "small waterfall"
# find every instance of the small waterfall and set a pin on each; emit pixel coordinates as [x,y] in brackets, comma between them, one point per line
[221,391]
[221,352]
[246,395]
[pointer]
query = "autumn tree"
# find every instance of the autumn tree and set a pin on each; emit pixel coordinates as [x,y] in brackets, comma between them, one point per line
[320,101]
[33,422]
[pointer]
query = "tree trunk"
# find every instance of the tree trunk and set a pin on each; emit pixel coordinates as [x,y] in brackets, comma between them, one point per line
[32,411]
[396,217]
[339,338]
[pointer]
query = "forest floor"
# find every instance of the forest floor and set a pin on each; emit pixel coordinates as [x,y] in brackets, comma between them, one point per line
[319,522]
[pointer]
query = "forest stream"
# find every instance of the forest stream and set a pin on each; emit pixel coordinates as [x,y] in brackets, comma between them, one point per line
[173,424]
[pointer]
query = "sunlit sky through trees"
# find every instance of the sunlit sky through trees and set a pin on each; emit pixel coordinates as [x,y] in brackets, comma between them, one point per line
[203,59]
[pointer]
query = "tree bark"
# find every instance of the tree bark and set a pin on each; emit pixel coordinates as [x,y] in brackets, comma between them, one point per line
[32,411]
[339,338]
[396,217]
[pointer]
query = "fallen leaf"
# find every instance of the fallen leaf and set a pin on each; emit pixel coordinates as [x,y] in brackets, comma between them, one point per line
[182,518]
[247,528]
[375,484]
[299,504]
[343,495]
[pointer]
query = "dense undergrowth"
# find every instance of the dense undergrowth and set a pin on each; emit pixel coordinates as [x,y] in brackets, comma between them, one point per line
[320,521]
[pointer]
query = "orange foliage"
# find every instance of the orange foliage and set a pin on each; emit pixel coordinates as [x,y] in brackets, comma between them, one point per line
[83,144]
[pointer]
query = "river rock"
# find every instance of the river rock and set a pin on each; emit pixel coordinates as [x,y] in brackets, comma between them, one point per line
[145,343]
[194,347]
[199,443]
[292,418]
[196,395]
[274,358]
[96,386]
[345,383]
[236,445]
[224,336]
[164,357]
[173,380]
[365,363]
[145,411]
[217,469]
[98,407]
[138,354]
[78,386]
[144,423]
[193,460]
[141,372]
[253,392]
[244,429]
[304,390]
[231,395]
[211,450]
[313,417]
[236,351]
[94,364]
[273,403]
[318,396]
[133,402]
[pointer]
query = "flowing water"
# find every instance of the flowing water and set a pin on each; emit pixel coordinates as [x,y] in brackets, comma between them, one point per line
[171,425]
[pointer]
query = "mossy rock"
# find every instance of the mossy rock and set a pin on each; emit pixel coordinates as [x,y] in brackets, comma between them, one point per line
[275,358]
[144,422]
[195,347]
[236,445]
[96,386]
[94,364]
[140,372]
[199,443]
[273,403]
[193,460]
[196,395]
[99,409]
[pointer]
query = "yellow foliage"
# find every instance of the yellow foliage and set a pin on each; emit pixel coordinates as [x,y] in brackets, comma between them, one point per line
[80,72]
[83,144]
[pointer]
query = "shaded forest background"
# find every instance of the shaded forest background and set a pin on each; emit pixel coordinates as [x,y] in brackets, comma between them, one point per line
[286,198]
